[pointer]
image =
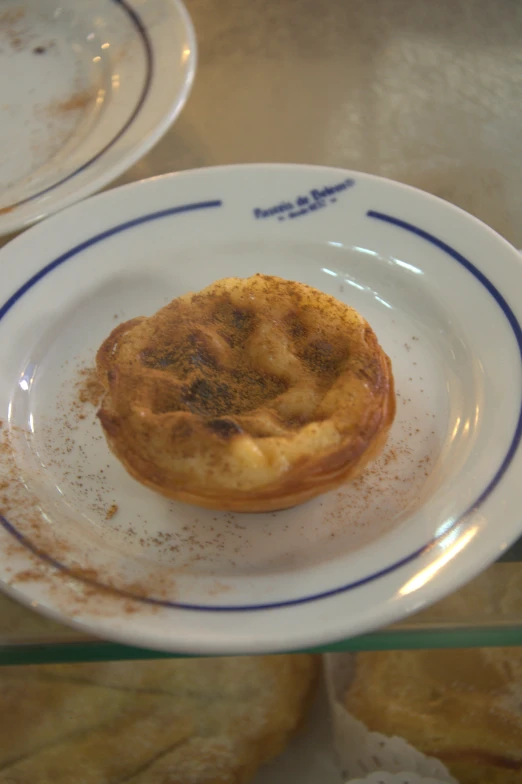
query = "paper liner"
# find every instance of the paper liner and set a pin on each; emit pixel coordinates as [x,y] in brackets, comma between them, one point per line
[361,752]
[394,778]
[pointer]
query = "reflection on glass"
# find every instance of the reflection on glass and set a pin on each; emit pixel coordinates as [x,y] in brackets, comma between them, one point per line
[355,284]
[383,302]
[365,250]
[407,266]
[427,574]
[446,526]
[455,429]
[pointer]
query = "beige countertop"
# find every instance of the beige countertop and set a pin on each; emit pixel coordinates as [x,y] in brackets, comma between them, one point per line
[429,93]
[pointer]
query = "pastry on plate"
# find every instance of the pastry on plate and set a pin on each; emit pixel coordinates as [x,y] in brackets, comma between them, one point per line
[255,394]
[192,721]
[463,707]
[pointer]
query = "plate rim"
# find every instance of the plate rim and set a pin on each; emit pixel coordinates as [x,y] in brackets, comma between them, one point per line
[60,192]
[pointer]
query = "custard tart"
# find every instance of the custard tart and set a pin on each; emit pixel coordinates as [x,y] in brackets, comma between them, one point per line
[252,395]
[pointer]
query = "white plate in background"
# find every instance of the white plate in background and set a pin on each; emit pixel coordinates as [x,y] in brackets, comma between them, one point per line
[441,291]
[87,89]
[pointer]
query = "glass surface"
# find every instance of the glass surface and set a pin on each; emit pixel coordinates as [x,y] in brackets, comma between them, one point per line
[487,611]
[425,93]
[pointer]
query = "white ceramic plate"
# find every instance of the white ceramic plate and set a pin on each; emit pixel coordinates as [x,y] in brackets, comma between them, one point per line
[442,292]
[87,89]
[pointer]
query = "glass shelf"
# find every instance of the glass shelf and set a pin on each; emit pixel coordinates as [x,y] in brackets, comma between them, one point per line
[486,612]
[428,94]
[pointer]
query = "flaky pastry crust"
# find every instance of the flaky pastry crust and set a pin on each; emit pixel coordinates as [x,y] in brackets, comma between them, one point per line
[253,395]
[461,706]
[183,721]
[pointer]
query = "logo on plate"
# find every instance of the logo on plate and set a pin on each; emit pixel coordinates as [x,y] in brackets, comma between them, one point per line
[315,199]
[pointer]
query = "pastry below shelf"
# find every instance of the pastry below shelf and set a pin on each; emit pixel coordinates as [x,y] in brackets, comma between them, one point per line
[253,395]
[183,721]
[463,707]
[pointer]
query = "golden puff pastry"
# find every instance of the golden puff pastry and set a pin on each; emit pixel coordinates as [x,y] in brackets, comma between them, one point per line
[255,394]
[463,707]
[206,721]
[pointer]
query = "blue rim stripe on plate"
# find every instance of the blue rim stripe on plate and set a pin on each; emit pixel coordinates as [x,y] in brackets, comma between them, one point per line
[202,205]
[503,305]
[149,64]
[513,322]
